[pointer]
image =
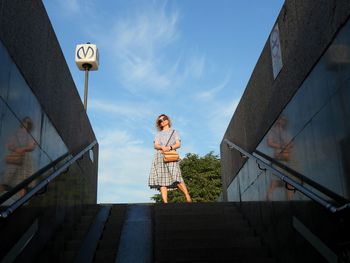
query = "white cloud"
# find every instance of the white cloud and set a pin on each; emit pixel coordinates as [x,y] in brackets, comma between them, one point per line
[141,75]
[75,7]
[220,117]
[210,94]
[120,108]
[195,67]
[71,6]
[124,163]
[138,42]
[146,31]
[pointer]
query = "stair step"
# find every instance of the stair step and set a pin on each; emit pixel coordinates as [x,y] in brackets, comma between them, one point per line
[194,232]
[235,260]
[109,243]
[110,235]
[67,256]
[86,219]
[78,234]
[196,211]
[114,224]
[72,245]
[191,242]
[210,253]
[188,208]
[105,256]
[196,217]
[201,224]
[68,239]
[240,232]
[205,232]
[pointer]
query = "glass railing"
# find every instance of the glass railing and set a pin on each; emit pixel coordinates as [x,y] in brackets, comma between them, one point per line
[51,171]
[29,182]
[316,192]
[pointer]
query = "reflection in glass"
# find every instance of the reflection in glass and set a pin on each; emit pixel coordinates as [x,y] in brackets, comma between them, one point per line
[5,66]
[279,139]
[340,104]
[27,138]
[22,101]
[18,160]
[233,191]
[325,162]
[51,142]
[312,134]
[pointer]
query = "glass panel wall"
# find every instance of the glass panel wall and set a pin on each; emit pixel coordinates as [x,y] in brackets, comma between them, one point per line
[5,67]
[28,140]
[311,135]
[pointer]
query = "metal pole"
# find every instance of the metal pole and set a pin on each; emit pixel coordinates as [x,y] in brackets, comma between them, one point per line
[87,67]
[86,87]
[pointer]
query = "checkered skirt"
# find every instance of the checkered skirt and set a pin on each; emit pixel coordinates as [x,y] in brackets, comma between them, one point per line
[164,174]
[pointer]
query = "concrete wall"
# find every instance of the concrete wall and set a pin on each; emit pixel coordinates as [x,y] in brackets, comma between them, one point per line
[306,29]
[27,34]
[287,219]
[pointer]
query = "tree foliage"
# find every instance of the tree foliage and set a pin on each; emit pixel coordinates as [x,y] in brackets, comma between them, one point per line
[202,177]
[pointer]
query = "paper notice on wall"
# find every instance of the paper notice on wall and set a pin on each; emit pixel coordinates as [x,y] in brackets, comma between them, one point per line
[276,54]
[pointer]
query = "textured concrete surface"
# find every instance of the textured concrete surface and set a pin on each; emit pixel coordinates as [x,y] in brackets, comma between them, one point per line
[27,34]
[306,29]
[136,240]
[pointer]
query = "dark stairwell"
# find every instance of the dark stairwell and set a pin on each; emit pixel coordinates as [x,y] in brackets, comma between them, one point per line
[181,232]
[205,232]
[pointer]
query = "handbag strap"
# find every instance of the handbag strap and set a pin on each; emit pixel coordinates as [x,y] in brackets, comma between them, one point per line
[170,138]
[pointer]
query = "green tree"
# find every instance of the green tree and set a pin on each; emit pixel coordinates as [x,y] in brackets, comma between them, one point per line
[202,177]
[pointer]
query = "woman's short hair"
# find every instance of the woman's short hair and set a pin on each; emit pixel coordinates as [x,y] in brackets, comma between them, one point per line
[28,123]
[158,126]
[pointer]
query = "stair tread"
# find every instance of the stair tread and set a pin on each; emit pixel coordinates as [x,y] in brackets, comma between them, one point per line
[235,260]
[196,217]
[229,239]
[225,226]
[195,232]
[198,233]
[210,253]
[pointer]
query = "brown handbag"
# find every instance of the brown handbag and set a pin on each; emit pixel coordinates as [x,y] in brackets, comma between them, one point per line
[14,158]
[171,156]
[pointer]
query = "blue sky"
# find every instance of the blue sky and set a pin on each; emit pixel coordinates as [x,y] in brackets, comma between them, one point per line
[190,59]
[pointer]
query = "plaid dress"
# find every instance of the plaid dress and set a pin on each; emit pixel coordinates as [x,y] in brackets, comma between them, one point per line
[164,174]
[14,174]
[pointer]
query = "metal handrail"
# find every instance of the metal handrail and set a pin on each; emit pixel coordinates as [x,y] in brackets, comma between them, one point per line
[31,178]
[315,197]
[9,210]
[336,197]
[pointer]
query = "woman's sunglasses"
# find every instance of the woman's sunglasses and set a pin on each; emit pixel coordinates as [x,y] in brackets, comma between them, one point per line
[160,120]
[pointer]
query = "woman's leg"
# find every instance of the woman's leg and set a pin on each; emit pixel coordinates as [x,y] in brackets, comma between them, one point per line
[183,188]
[164,193]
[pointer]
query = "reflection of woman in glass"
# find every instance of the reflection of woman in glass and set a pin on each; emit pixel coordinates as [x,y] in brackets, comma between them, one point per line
[19,164]
[278,138]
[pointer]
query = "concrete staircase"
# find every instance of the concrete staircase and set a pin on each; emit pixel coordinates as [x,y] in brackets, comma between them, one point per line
[182,232]
[66,243]
[108,244]
[205,232]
